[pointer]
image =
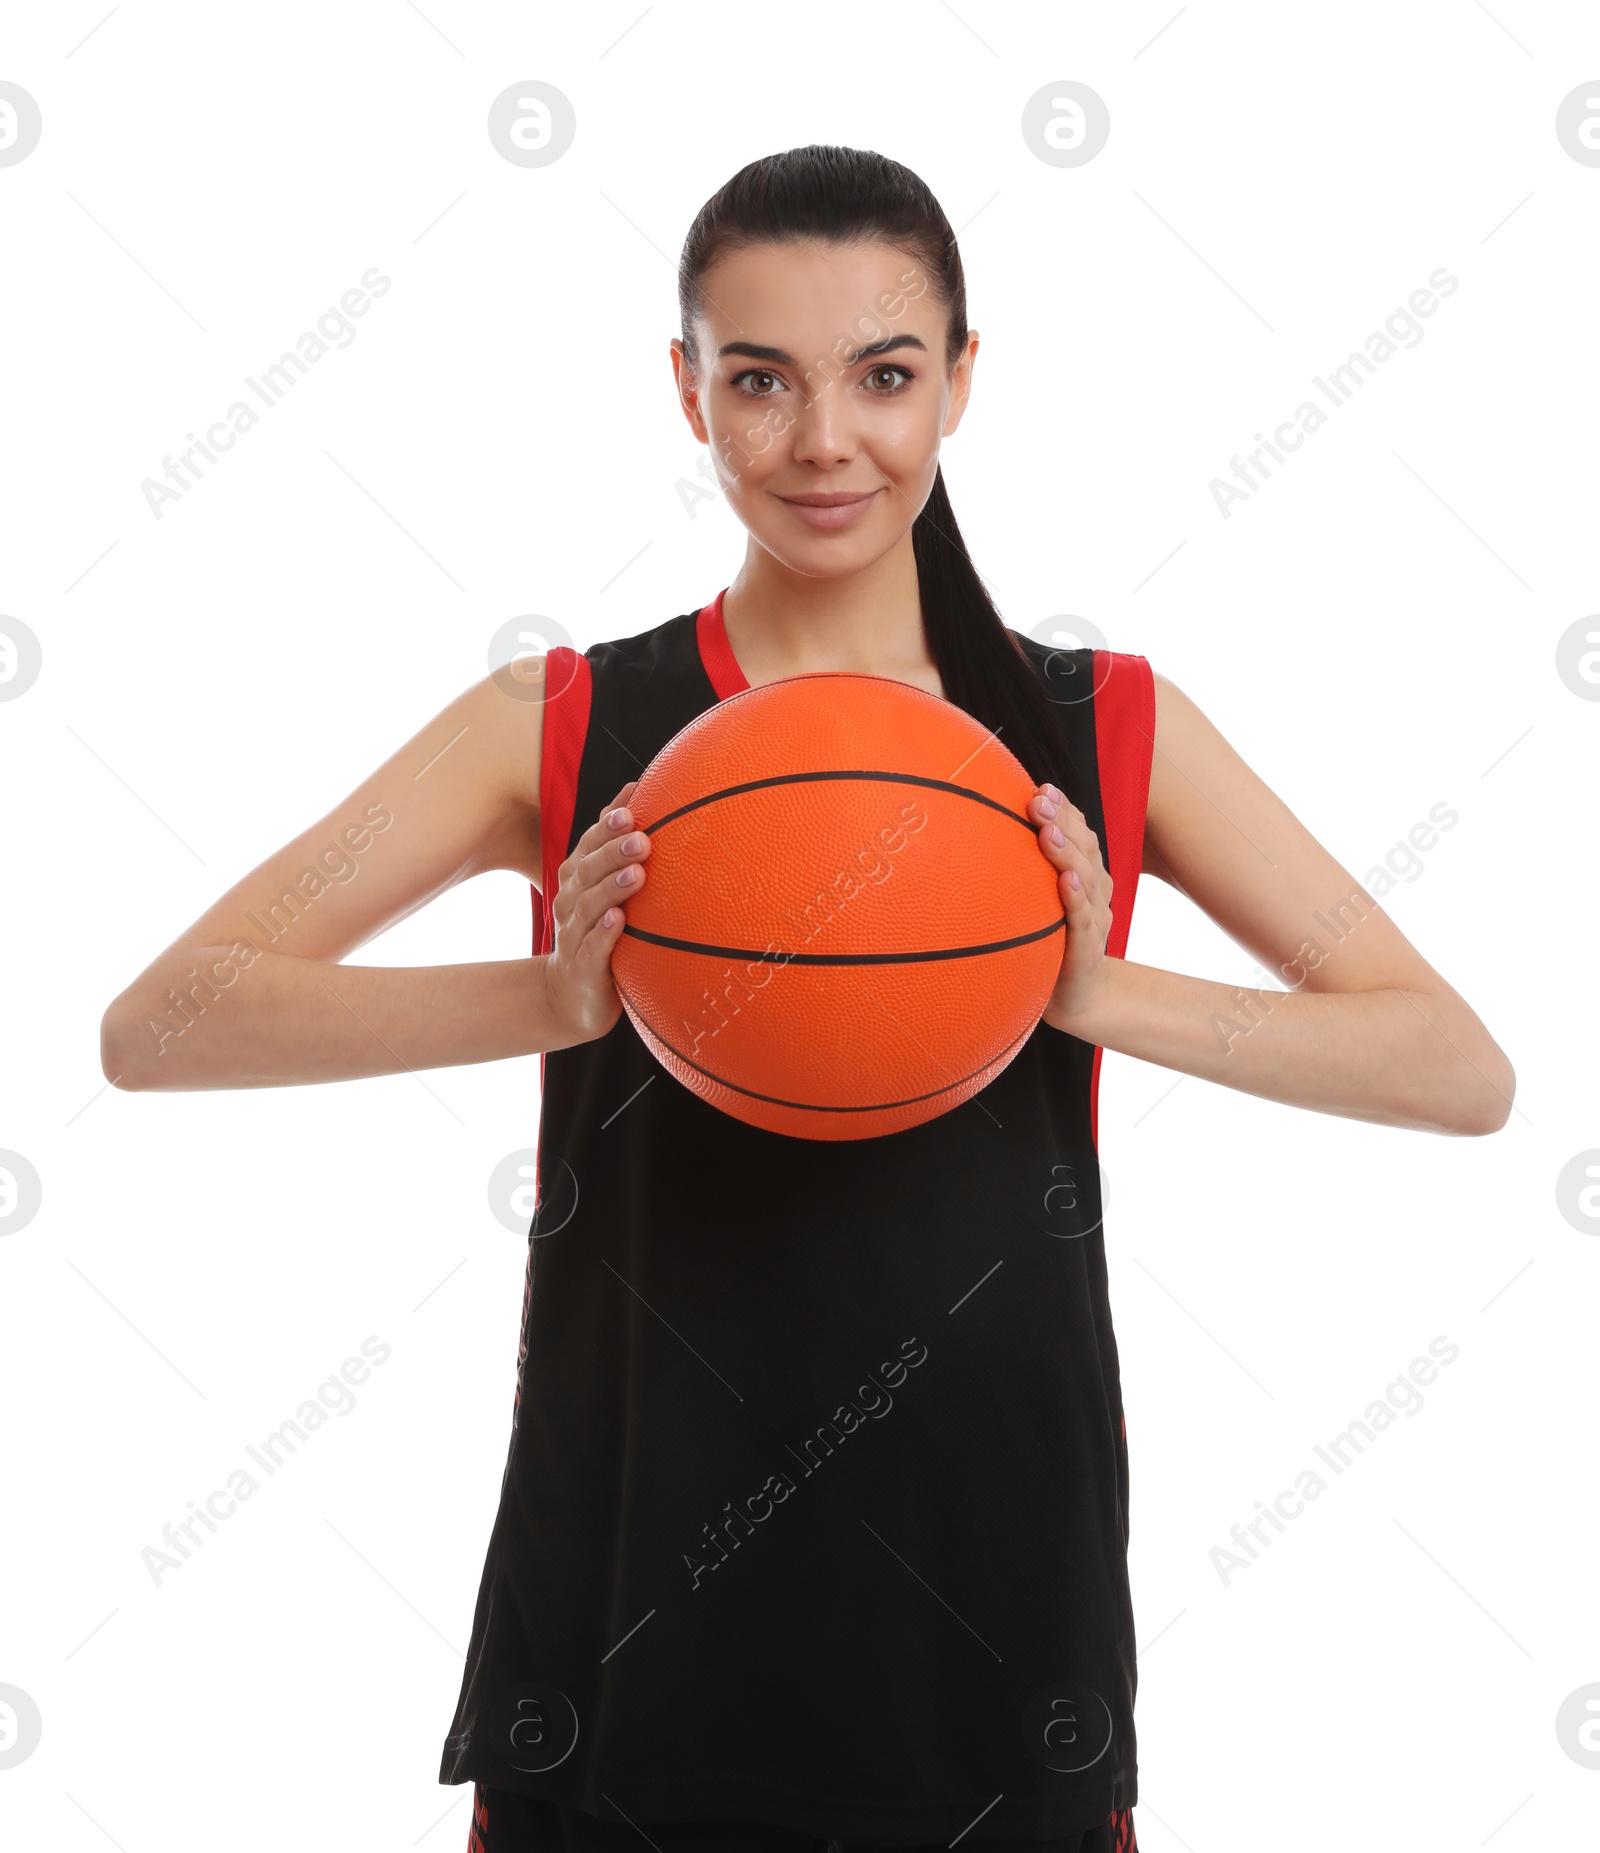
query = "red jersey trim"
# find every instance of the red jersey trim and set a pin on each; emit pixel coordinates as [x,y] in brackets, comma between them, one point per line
[568,691]
[1125,738]
[716,653]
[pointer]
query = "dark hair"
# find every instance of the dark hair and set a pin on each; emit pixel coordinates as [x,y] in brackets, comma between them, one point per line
[842,196]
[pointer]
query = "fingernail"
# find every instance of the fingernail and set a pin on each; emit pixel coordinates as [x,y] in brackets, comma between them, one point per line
[1046,808]
[626,877]
[619,819]
[1072,876]
[1056,837]
[631,845]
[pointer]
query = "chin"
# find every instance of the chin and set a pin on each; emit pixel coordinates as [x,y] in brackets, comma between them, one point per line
[829,559]
[845,551]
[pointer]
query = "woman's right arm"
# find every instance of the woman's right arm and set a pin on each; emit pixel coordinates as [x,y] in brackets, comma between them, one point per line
[253,994]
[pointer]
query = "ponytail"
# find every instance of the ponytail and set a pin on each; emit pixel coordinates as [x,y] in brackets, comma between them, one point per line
[981,665]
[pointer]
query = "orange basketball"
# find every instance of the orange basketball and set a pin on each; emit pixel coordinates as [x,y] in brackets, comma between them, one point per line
[847,925]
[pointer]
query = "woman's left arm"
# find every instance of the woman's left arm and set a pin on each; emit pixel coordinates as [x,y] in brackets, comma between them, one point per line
[1366,1027]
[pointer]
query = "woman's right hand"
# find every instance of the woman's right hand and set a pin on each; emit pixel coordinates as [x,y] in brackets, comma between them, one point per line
[587,914]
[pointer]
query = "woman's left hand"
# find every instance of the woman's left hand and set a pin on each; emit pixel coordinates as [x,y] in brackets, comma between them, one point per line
[1085,890]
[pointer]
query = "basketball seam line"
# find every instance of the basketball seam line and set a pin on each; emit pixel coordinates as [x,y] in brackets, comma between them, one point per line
[843,958]
[843,773]
[805,1106]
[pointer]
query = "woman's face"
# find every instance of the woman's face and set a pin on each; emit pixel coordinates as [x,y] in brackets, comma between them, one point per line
[822,374]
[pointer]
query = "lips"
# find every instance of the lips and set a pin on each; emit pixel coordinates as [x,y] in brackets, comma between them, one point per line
[836,508]
[834,499]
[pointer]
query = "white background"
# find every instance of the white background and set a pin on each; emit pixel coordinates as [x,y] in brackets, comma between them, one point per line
[1375,630]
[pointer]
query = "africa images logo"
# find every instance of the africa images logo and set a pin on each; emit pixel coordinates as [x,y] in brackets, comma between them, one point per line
[1402,328]
[871,1401]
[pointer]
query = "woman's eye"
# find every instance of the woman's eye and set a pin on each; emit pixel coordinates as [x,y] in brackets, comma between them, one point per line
[897,378]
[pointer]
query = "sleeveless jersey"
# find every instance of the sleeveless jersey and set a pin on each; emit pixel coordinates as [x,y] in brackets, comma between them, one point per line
[815,1508]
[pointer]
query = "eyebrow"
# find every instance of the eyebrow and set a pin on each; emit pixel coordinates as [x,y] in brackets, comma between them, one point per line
[750,350]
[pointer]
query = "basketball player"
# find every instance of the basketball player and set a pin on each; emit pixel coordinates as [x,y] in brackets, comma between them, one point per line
[813,1529]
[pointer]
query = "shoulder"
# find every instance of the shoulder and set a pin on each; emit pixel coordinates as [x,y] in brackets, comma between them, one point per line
[1180,723]
[537,708]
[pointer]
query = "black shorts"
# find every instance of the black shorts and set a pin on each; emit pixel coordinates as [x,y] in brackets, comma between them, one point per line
[505,1822]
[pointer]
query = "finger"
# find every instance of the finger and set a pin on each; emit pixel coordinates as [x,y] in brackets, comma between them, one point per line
[586,891]
[623,849]
[601,939]
[1049,801]
[615,819]
[603,896]
[607,930]
[1058,847]
[608,816]
[1069,819]
[1079,879]
[1088,904]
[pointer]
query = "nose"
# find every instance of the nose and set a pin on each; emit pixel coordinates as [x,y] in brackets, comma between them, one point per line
[823,434]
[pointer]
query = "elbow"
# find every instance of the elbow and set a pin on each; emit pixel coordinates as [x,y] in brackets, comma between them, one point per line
[1487,1107]
[116,1051]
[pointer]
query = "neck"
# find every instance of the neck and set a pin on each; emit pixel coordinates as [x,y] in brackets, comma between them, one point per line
[782,623]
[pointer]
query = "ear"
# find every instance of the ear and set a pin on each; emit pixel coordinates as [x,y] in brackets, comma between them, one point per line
[688,391]
[961,383]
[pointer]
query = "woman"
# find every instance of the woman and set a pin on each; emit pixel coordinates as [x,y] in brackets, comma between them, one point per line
[814,1520]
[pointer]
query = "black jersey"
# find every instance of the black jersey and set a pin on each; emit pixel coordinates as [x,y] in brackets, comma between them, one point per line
[815,1510]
